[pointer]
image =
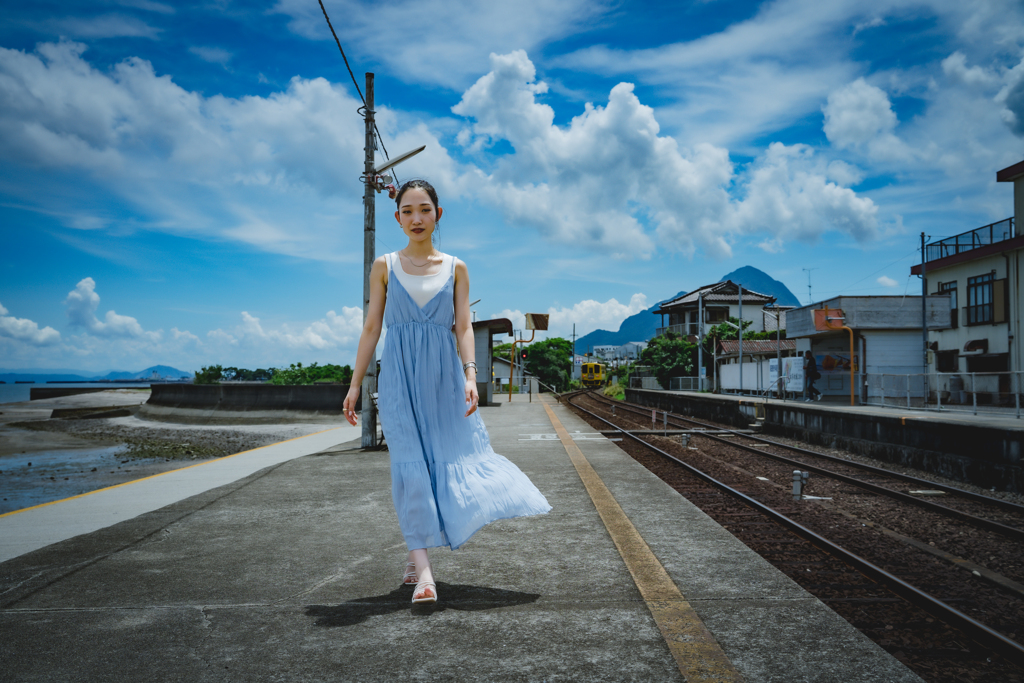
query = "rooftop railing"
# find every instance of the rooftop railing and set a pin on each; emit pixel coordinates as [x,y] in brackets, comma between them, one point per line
[972,239]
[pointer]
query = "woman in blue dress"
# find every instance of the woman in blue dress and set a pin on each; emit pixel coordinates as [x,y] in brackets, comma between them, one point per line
[446,481]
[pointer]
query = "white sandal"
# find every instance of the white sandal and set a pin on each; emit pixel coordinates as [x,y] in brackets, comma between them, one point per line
[427,590]
[410,573]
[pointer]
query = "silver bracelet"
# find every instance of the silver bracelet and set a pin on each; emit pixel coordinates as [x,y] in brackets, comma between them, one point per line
[466,366]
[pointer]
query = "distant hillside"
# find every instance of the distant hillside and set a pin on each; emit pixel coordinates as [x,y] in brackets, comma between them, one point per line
[40,375]
[639,327]
[162,370]
[761,282]
[643,325]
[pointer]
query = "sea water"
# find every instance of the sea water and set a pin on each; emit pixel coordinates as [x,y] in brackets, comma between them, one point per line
[15,393]
[28,479]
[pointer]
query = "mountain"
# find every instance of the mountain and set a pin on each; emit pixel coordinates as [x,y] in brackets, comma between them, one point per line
[163,370]
[41,375]
[643,325]
[639,327]
[761,282]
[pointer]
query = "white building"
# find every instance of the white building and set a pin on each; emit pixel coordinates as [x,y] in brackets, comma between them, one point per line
[718,303]
[886,340]
[979,271]
[630,350]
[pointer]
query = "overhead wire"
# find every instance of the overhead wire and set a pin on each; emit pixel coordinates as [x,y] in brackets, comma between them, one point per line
[363,99]
[876,272]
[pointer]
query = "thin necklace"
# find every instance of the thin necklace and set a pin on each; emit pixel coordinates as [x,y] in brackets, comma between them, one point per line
[418,265]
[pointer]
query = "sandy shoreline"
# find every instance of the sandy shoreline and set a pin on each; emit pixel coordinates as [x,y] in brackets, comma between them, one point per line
[43,459]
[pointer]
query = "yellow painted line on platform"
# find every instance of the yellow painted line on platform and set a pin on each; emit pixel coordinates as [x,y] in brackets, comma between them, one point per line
[154,476]
[697,653]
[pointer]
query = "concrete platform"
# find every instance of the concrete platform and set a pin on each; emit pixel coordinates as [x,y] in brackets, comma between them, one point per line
[293,573]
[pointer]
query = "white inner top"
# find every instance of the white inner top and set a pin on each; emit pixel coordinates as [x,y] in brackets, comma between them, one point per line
[422,288]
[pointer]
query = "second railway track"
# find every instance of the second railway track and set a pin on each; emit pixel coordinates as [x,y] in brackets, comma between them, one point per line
[992,615]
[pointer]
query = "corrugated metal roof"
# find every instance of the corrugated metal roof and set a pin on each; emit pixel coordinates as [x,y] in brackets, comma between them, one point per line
[758,347]
[722,292]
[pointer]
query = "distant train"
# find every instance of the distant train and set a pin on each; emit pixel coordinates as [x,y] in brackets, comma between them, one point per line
[592,374]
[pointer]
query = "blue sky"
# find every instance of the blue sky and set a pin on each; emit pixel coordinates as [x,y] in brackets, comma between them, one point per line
[179,181]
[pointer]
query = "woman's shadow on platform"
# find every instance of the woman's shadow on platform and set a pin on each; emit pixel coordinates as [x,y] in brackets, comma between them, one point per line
[453,596]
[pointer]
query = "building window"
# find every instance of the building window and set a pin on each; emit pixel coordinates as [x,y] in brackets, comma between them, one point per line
[948,361]
[950,289]
[979,299]
[716,315]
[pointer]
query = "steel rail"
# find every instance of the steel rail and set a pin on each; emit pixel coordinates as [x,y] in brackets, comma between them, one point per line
[981,633]
[977,497]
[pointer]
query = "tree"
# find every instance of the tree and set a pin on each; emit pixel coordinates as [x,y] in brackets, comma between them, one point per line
[548,361]
[212,374]
[296,373]
[669,356]
[722,331]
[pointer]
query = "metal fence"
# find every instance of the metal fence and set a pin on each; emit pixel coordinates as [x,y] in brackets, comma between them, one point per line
[684,384]
[644,383]
[974,392]
[674,383]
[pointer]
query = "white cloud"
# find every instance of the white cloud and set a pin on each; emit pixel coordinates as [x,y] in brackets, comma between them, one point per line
[587,315]
[857,114]
[788,194]
[184,334]
[452,38]
[106,26]
[955,67]
[886,281]
[147,5]
[27,331]
[214,55]
[843,173]
[82,303]
[332,332]
[598,182]
[277,172]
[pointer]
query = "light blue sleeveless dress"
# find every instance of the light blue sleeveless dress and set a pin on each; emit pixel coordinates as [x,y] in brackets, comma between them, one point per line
[446,480]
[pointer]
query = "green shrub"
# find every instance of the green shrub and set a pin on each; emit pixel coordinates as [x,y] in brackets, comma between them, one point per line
[297,374]
[212,374]
[616,391]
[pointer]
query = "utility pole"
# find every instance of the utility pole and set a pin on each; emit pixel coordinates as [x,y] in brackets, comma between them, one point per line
[369,435]
[740,333]
[572,357]
[924,312]
[700,339]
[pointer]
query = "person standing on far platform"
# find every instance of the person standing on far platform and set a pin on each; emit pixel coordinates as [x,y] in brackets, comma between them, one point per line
[810,374]
[446,481]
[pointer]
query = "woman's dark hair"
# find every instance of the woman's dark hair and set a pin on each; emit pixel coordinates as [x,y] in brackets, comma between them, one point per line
[419,184]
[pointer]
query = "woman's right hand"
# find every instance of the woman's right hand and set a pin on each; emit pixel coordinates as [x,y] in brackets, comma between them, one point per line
[350,405]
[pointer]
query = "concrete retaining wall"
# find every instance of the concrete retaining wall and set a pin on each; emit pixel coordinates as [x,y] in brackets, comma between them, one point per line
[245,403]
[981,455]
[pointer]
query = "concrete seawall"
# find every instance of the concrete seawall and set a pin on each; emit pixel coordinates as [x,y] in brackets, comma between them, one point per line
[245,403]
[982,454]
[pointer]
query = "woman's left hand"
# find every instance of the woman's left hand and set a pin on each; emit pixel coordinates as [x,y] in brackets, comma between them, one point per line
[472,397]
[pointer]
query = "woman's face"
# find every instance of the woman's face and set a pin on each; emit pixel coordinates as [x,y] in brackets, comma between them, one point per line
[417,215]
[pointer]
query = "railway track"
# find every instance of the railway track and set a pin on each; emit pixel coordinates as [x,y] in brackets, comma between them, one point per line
[904,598]
[983,554]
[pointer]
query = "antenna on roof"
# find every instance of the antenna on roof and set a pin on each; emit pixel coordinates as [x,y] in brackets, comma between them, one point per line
[810,297]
